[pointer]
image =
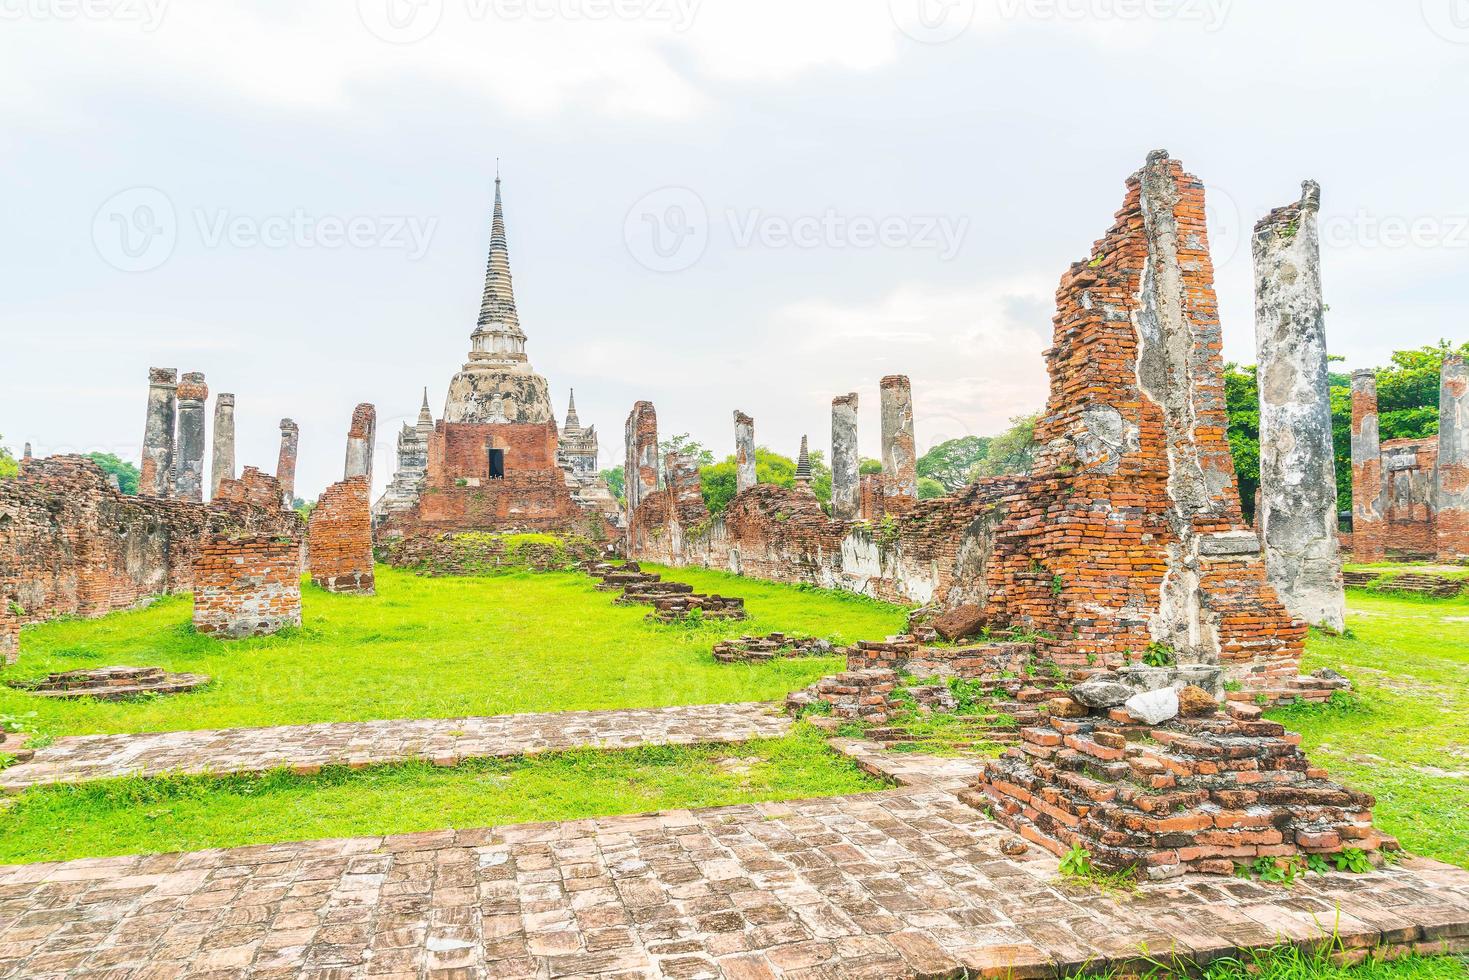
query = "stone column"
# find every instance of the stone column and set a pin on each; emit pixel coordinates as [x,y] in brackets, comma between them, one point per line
[361,438]
[745,476]
[156,479]
[222,466]
[285,467]
[1368,510]
[846,461]
[803,467]
[189,469]
[1451,478]
[1297,516]
[899,453]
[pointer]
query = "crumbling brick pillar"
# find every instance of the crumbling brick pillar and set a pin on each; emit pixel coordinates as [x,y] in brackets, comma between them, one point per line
[247,586]
[361,438]
[156,479]
[686,488]
[1451,480]
[899,452]
[1297,516]
[1368,495]
[846,461]
[222,465]
[285,468]
[641,476]
[339,537]
[745,476]
[189,468]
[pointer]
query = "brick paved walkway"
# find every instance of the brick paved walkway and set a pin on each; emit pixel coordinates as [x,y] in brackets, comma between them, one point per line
[904,883]
[446,741]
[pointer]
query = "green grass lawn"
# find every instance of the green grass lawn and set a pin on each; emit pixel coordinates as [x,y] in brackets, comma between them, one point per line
[1290,963]
[138,816]
[436,648]
[1407,740]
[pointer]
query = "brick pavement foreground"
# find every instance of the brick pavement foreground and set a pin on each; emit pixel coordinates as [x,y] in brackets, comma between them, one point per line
[904,883]
[445,741]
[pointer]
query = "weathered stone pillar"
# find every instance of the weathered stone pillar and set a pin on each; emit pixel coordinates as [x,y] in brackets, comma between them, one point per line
[1368,510]
[846,461]
[156,479]
[1297,516]
[641,475]
[1451,479]
[361,438]
[803,467]
[745,476]
[189,470]
[899,452]
[222,466]
[285,467]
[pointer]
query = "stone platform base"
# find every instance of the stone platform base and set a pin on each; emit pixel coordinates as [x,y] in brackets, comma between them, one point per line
[113,683]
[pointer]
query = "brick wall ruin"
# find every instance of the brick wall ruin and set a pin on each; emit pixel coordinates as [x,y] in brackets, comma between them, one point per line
[1127,533]
[247,586]
[339,538]
[71,545]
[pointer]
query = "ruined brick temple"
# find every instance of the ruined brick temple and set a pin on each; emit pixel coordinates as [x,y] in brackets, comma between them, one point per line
[497,461]
[1127,533]
[1410,497]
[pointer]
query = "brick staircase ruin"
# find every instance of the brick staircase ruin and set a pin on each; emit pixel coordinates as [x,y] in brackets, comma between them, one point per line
[1417,583]
[1201,793]
[763,649]
[671,601]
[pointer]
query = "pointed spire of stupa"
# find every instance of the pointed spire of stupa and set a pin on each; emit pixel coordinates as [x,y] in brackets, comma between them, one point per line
[497,335]
[803,467]
[573,424]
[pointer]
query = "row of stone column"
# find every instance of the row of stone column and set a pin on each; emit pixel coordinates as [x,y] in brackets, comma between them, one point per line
[1450,495]
[899,454]
[1297,513]
[174,436]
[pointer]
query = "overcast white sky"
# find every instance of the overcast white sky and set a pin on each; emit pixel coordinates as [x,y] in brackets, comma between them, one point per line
[724,204]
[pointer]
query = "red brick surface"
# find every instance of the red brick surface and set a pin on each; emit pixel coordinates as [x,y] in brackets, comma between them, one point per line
[340,538]
[247,586]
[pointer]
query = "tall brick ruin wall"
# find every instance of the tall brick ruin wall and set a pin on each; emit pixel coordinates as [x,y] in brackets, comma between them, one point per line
[1129,530]
[339,538]
[72,545]
[1408,519]
[247,586]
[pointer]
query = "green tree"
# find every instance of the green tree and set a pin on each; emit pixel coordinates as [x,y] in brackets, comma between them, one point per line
[1242,404]
[126,473]
[686,445]
[929,488]
[616,482]
[720,480]
[868,467]
[952,463]
[1012,452]
[8,466]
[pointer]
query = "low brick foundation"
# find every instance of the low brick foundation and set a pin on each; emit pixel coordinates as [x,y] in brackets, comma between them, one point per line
[484,553]
[113,683]
[249,586]
[671,601]
[760,649]
[340,538]
[856,695]
[1418,583]
[1191,794]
